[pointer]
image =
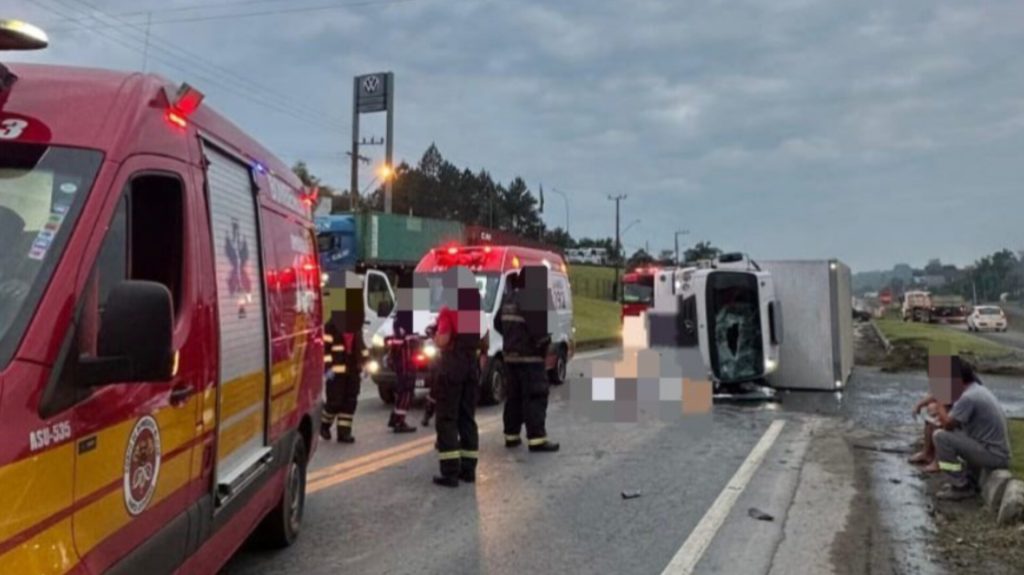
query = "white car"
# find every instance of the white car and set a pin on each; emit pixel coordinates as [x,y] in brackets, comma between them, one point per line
[986,317]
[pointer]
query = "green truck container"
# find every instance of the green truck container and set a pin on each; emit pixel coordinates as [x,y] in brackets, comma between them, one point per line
[393,239]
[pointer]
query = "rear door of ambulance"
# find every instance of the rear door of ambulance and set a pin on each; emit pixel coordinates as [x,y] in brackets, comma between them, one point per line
[242,452]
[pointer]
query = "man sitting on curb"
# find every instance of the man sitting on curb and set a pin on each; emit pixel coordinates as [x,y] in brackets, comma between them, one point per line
[973,433]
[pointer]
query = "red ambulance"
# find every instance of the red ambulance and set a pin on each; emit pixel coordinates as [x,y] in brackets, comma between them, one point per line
[637,291]
[161,346]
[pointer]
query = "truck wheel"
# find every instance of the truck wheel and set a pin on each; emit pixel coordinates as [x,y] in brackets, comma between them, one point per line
[557,376]
[386,393]
[281,527]
[492,388]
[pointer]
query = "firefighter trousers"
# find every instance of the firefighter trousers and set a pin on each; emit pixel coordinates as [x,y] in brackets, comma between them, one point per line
[456,393]
[342,397]
[526,401]
[405,388]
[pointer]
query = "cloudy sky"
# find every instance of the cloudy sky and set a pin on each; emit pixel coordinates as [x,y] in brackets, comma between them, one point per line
[873,131]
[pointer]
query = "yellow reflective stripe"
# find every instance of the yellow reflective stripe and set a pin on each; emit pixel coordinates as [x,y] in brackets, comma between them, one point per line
[338,369]
[337,348]
[366,353]
[537,441]
[344,422]
[446,455]
[513,318]
[511,437]
[327,358]
[328,338]
[947,466]
[469,454]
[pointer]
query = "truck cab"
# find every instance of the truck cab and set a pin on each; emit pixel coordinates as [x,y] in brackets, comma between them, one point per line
[161,354]
[727,309]
[637,291]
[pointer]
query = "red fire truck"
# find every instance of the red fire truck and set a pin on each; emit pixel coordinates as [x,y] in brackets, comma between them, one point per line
[161,345]
[637,291]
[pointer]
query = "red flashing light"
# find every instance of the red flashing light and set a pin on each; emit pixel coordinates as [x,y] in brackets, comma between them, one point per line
[453,250]
[176,120]
[487,249]
[515,261]
[420,359]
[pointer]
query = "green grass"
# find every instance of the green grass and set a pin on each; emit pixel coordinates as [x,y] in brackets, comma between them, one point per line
[595,319]
[1017,445]
[592,281]
[938,339]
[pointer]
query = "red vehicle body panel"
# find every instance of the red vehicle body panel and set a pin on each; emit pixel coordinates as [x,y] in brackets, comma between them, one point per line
[125,117]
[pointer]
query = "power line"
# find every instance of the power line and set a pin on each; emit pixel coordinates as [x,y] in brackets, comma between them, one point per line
[237,15]
[282,101]
[313,118]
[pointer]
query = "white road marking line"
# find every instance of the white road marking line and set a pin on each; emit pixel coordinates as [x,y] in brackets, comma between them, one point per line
[596,353]
[686,559]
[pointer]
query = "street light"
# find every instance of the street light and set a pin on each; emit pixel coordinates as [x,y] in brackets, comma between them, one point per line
[566,199]
[631,224]
[384,174]
[679,233]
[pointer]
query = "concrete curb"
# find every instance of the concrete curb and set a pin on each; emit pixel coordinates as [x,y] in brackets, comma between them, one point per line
[993,486]
[885,341]
[1011,509]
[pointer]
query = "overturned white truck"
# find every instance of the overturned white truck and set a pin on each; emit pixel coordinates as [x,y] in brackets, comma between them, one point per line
[784,323]
[727,309]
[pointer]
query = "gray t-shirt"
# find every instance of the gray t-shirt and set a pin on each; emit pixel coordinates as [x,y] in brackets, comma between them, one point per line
[982,418]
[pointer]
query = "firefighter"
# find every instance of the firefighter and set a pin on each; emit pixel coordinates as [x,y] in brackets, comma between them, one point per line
[343,337]
[522,322]
[400,351]
[458,339]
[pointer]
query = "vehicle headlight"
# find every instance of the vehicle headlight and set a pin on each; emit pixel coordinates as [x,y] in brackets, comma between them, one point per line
[372,367]
[430,350]
[378,340]
[770,365]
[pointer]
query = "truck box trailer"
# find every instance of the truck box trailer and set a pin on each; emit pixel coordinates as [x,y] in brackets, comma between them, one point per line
[817,323]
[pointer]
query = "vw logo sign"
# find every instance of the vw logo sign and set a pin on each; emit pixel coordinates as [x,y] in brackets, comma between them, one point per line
[371,84]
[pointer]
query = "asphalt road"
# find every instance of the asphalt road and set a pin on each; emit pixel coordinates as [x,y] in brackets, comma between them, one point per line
[372,508]
[1013,337]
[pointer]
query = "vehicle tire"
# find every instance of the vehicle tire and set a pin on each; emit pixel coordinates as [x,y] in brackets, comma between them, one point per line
[386,393]
[492,386]
[557,376]
[280,528]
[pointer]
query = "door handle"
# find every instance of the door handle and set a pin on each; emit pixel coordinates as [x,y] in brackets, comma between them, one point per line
[180,394]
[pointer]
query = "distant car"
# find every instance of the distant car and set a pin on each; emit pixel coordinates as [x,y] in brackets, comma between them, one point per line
[987,317]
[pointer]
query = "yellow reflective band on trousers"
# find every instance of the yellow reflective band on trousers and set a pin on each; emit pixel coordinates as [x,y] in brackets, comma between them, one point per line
[338,369]
[537,441]
[511,438]
[953,467]
[469,454]
[446,455]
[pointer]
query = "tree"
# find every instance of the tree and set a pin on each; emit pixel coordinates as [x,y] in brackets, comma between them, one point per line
[667,257]
[702,251]
[934,267]
[559,237]
[639,258]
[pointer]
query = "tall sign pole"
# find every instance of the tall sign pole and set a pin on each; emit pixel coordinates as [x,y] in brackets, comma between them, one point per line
[618,243]
[373,93]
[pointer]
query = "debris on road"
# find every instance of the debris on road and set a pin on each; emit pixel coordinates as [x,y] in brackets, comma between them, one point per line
[756,513]
[631,494]
[895,481]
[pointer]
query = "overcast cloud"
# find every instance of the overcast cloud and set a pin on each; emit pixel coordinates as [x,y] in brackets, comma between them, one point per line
[873,131]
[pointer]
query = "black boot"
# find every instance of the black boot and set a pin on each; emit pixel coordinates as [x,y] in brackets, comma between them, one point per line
[345,435]
[546,447]
[392,420]
[402,427]
[467,476]
[325,431]
[445,481]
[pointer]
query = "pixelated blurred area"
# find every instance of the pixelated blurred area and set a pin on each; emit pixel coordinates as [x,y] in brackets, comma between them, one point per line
[532,288]
[343,296]
[945,382]
[663,384]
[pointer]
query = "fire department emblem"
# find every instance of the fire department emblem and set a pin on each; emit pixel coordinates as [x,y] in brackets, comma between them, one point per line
[141,465]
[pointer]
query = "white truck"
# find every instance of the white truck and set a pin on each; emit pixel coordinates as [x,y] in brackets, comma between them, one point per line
[727,309]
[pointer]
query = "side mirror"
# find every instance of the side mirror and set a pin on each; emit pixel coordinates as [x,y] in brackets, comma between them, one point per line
[135,337]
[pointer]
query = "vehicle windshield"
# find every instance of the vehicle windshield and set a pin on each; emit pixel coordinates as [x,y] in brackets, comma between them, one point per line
[486,282]
[641,291]
[989,311]
[41,192]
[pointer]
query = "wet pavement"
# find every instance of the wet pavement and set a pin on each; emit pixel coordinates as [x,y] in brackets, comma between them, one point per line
[836,507]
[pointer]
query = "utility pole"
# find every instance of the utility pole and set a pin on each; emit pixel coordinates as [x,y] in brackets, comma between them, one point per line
[679,233]
[354,186]
[566,199]
[618,243]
